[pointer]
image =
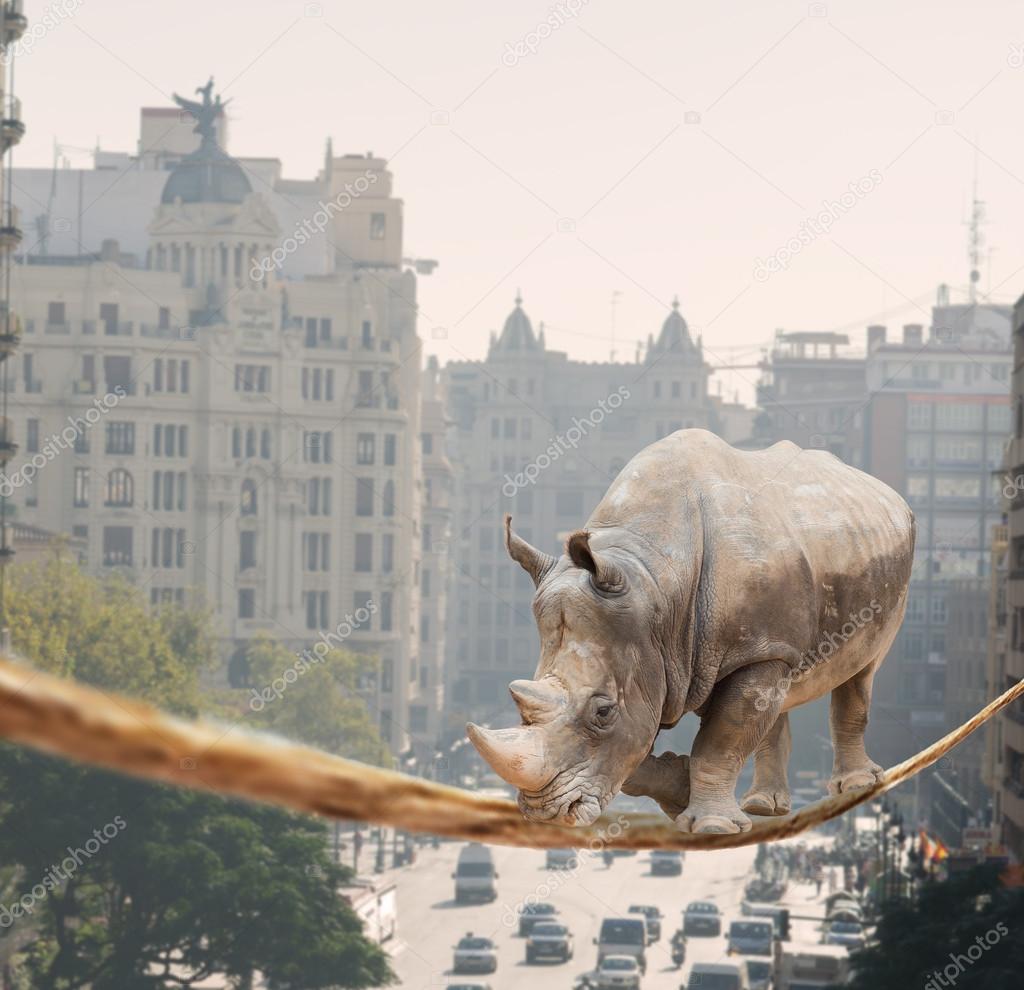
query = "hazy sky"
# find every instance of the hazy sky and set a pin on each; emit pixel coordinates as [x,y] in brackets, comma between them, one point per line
[680,143]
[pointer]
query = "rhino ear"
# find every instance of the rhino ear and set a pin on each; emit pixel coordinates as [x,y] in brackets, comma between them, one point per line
[530,559]
[605,575]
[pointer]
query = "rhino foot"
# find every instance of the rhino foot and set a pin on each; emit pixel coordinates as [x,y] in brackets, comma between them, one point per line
[762,801]
[713,816]
[855,780]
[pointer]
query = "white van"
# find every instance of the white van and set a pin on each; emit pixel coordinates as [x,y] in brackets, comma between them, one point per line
[474,874]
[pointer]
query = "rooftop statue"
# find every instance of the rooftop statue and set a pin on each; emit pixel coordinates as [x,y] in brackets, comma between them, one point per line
[205,113]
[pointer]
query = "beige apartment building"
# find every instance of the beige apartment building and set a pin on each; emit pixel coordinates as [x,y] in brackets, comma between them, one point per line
[208,426]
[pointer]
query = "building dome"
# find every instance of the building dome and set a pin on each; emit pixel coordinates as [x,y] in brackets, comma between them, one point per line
[208,175]
[517,334]
[674,337]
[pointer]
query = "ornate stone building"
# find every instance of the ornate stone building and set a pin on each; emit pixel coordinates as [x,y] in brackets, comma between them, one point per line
[203,422]
[541,436]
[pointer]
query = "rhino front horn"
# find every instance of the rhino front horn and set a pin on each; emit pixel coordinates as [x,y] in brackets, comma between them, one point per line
[515,755]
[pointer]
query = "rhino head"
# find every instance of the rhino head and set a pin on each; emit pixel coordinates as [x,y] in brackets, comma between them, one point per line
[595,706]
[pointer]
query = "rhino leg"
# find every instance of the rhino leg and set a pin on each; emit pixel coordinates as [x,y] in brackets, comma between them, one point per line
[852,769]
[769,794]
[665,778]
[742,709]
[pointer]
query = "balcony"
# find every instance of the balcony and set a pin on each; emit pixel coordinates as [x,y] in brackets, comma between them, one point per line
[12,127]
[15,21]
[10,232]
[84,386]
[114,328]
[117,558]
[34,385]
[61,328]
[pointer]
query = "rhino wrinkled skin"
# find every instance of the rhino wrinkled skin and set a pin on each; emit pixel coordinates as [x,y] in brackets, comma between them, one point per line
[734,584]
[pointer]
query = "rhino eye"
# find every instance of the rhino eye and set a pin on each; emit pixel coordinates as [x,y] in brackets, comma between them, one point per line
[604,711]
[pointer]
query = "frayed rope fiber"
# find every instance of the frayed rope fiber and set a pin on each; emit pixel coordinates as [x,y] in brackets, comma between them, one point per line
[82,723]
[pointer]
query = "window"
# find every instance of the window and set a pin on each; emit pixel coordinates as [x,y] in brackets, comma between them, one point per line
[108,317]
[246,549]
[120,489]
[919,415]
[389,449]
[32,436]
[378,226]
[250,442]
[365,448]
[367,335]
[364,496]
[388,499]
[424,628]
[248,505]
[386,605]
[265,444]
[55,314]
[246,603]
[117,546]
[427,439]
[387,553]
[316,609]
[364,552]
[425,583]
[120,438]
[252,378]
[81,492]
[236,442]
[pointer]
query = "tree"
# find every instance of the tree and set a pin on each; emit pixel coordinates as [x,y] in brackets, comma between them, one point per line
[964,929]
[115,884]
[314,700]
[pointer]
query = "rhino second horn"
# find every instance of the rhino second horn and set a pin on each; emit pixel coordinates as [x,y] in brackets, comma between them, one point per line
[537,701]
[535,562]
[515,755]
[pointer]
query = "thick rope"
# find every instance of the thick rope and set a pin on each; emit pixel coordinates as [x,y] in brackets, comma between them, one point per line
[82,723]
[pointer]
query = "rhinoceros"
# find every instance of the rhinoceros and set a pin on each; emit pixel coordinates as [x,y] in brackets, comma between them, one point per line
[733,584]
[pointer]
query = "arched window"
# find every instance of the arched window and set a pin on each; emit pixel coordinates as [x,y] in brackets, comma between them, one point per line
[248,505]
[120,489]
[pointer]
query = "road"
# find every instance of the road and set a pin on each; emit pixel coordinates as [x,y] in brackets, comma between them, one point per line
[430,922]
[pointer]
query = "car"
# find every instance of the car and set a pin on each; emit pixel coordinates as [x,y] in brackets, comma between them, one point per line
[716,976]
[702,918]
[467,986]
[548,940]
[848,933]
[666,863]
[475,875]
[760,973]
[562,859]
[534,913]
[616,972]
[652,920]
[475,954]
[751,937]
[623,937]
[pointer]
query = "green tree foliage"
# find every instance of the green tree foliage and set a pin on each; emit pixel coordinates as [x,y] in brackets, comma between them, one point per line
[315,700]
[110,883]
[962,932]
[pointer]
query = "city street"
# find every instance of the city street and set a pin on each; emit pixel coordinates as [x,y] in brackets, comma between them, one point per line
[430,922]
